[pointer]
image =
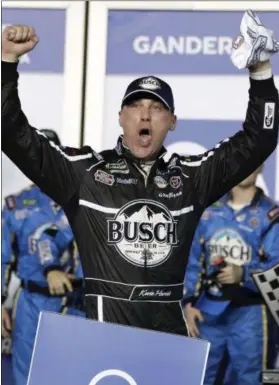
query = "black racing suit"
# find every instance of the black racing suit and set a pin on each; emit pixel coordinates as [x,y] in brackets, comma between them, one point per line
[134,229]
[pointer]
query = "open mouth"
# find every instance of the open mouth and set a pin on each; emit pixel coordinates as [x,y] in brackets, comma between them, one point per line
[145,136]
[145,132]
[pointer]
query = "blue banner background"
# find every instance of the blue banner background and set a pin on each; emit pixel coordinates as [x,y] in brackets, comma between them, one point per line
[126,26]
[49,25]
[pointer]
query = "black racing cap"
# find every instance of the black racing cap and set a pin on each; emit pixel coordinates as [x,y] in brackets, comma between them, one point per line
[150,86]
[51,135]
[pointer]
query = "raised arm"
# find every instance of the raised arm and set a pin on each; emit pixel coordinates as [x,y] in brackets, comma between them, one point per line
[215,172]
[57,170]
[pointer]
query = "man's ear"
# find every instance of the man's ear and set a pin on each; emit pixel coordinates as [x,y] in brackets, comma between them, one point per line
[120,118]
[173,125]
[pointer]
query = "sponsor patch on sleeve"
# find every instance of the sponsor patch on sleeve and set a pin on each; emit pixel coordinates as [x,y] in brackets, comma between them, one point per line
[269,112]
[45,251]
[273,214]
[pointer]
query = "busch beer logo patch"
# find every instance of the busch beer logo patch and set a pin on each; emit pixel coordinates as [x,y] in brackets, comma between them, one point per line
[103,177]
[150,83]
[229,244]
[143,232]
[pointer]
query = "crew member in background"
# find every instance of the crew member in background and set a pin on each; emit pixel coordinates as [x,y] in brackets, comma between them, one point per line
[15,210]
[6,252]
[15,216]
[47,264]
[238,235]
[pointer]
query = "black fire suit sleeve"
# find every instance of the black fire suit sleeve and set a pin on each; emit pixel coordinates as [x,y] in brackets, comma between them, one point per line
[217,171]
[57,170]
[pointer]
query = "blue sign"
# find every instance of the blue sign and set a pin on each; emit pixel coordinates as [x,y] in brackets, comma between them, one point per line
[180,42]
[70,350]
[49,24]
[6,370]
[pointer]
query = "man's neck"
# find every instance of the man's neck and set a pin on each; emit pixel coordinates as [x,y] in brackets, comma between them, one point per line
[150,159]
[241,195]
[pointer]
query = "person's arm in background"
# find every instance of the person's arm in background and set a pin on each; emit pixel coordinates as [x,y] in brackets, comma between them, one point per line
[193,282]
[215,172]
[8,257]
[7,262]
[49,254]
[58,171]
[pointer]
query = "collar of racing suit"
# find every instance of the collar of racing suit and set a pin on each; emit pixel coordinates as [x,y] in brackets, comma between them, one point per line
[123,150]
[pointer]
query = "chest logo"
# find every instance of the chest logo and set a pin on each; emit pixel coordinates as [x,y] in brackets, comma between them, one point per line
[229,244]
[143,232]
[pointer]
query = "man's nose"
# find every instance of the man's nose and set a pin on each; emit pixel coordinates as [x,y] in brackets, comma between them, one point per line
[145,114]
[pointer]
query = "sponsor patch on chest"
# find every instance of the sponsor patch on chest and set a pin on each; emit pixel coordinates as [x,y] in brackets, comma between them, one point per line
[126,181]
[103,177]
[175,181]
[119,167]
[160,181]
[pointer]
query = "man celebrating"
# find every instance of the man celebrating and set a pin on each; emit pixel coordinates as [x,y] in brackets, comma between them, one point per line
[134,215]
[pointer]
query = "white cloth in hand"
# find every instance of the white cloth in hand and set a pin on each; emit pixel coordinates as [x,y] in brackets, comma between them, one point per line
[254,44]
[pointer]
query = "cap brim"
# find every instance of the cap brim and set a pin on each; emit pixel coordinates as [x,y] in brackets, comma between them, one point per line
[141,94]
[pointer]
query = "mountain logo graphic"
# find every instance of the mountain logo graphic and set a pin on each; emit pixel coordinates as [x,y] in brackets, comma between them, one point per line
[144,233]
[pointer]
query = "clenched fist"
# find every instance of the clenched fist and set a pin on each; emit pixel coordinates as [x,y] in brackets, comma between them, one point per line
[16,41]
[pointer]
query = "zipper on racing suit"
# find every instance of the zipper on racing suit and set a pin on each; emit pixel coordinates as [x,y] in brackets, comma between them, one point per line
[145,168]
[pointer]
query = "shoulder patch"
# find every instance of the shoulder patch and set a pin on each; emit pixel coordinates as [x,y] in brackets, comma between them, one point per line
[273,213]
[10,202]
[217,204]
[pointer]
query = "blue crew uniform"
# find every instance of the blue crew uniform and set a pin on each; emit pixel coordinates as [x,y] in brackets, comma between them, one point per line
[235,318]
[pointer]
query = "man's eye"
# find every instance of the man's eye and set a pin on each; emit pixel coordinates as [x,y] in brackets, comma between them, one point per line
[135,105]
[157,107]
